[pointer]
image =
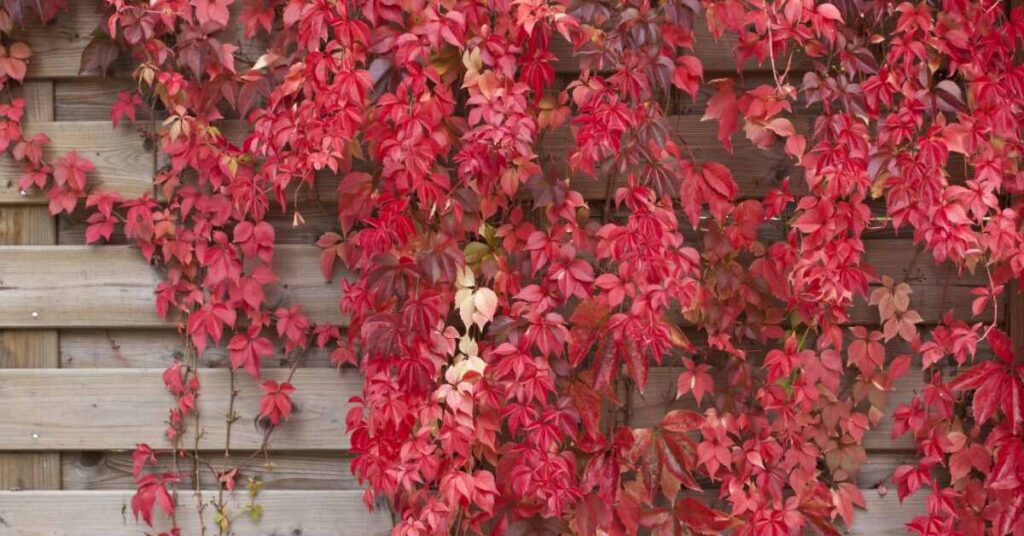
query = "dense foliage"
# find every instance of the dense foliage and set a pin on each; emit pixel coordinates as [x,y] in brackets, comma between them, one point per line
[499,321]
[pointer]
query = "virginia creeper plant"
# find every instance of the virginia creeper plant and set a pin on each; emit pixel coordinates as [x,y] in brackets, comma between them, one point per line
[502,324]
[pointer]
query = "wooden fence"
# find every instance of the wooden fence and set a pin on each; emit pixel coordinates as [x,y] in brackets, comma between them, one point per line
[82,349]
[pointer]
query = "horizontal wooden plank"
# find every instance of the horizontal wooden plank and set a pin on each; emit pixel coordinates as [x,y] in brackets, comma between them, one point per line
[57,49]
[111,286]
[109,409]
[885,515]
[318,218]
[309,513]
[106,286]
[155,348]
[90,99]
[285,470]
[94,470]
[88,513]
[122,160]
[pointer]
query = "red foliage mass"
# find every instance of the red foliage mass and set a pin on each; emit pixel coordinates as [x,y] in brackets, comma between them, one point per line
[496,321]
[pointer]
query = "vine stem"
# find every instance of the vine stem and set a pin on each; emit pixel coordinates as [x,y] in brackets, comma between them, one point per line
[995,305]
[229,420]
[193,366]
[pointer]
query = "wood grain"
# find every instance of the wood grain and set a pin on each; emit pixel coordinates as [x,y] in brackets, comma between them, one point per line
[108,286]
[91,99]
[21,226]
[57,48]
[94,470]
[109,409]
[29,470]
[89,513]
[286,470]
[111,286]
[98,409]
[155,348]
[122,160]
[28,349]
[39,100]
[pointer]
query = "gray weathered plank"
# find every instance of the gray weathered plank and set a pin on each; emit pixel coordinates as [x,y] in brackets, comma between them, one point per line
[99,409]
[108,409]
[111,286]
[57,48]
[112,470]
[106,286]
[122,160]
[155,348]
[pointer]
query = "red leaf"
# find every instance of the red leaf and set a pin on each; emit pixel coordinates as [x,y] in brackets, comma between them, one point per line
[125,106]
[844,498]
[276,403]
[70,171]
[1001,344]
[152,490]
[140,457]
[688,75]
[247,350]
[701,519]
[681,420]
[213,10]
[973,377]
[723,107]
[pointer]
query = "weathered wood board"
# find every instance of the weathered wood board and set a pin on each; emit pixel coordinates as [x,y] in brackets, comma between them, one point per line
[111,286]
[125,162]
[112,470]
[101,409]
[120,155]
[112,409]
[91,513]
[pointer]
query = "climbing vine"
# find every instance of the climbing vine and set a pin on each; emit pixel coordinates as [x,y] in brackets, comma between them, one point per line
[502,324]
